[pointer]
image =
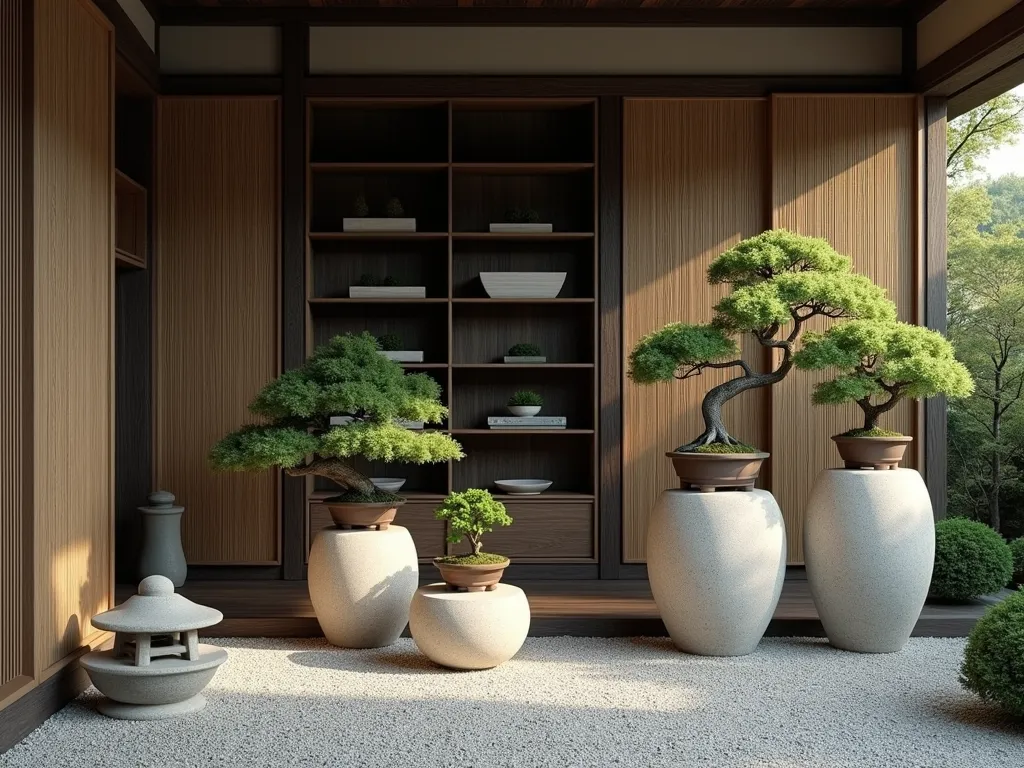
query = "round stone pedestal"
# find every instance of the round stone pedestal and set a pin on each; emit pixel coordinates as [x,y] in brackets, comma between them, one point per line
[360,584]
[469,630]
[716,562]
[869,547]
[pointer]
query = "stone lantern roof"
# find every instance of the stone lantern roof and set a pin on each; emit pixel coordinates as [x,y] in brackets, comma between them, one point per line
[157,610]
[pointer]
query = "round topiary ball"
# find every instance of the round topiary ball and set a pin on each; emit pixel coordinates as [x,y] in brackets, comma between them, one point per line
[971,559]
[1017,549]
[994,659]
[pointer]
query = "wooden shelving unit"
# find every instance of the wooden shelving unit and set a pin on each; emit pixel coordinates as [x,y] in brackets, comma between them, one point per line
[458,165]
[130,216]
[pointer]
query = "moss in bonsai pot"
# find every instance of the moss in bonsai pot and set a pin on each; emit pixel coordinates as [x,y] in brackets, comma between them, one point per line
[524,350]
[346,376]
[522,216]
[992,660]
[394,208]
[971,560]
[470,514]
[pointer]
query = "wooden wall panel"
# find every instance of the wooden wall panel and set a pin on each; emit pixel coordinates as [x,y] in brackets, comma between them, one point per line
[15,557]
[694,183]
[73,319]
[844,168]
[216,289]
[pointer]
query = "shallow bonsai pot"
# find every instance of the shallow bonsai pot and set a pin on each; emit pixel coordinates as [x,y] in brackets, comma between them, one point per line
[872,452]
[353,515]
[524,410]
[711,471]
[531,487]
[471,578]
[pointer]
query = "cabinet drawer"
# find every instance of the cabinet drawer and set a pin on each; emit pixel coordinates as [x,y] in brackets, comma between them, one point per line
[427,532]
[550,531]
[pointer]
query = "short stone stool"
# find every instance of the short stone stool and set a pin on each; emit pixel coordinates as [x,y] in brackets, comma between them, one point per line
[469,630]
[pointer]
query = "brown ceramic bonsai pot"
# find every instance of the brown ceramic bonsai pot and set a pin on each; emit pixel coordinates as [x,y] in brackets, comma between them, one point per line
[872,452]
[713,471]
[471,578]
[353,515]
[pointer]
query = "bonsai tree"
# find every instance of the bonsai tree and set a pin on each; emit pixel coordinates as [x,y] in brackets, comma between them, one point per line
[344,377]
[524,350]
[525,397]
[779,281]
[394,208]
[360,207]
[389,342]
[522,216]
[879,363]
[367,280]
[471,514]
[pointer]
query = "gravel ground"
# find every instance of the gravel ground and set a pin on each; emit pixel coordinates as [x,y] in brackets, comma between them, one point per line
[794,703]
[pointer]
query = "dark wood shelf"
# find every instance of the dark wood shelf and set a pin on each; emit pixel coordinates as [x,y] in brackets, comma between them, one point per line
[424,366]
[126,259]
[378,235]
[409,495]
[327,302]
[378,167]
[523,366]
[507,432]
[527,236]
[521,169]
[122,179]
[547,497]
[523,301]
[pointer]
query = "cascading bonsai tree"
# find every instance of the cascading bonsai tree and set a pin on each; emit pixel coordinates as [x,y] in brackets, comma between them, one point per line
[779,281]
[345,377]
[878,364]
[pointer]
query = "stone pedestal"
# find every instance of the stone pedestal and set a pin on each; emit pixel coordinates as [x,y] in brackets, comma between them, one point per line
[361,582]
[469,630]
[716,562]
[869,547]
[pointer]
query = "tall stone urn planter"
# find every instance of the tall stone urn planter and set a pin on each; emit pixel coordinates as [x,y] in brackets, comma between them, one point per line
[716,563]
[361,583]
[161,553]
[869,547]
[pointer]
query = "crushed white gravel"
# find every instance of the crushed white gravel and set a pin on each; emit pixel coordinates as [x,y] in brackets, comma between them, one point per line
[794,703]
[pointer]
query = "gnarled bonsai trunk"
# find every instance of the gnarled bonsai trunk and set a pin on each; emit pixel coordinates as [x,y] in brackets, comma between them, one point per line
[336,470]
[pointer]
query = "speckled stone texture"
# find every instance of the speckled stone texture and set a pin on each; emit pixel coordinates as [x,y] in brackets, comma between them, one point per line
[560,703]
[361,583]
[869,547]
[716,562]
[469,630]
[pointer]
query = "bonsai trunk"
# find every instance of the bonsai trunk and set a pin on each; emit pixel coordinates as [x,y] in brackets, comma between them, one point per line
[336,470]
[475,542]
[872,411]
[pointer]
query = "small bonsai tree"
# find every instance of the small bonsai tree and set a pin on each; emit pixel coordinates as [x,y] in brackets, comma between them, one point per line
[527,398]
[992,665]
[394,208]
[344,377]
[522,216]
[879,363]
[779,281]
[524,350]
[471,514]
[367,280]
[360,207]
[971,560]
[389,342]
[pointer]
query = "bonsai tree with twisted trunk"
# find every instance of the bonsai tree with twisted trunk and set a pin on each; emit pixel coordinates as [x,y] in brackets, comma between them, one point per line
[345,377]
[779,281]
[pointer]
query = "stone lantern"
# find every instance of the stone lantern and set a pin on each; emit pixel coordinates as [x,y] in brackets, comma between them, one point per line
[157,666]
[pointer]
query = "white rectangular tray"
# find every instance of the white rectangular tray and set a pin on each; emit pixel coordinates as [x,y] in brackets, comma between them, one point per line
[387,292]
[536,228]
[377,224]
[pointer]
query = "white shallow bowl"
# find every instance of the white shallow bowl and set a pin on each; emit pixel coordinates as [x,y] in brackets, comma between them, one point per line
[388,484]
[522,285]
[531,487]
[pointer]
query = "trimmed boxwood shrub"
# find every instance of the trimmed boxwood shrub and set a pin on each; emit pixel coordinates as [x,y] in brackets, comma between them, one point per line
[1017,548]
[971,559]
[994,659]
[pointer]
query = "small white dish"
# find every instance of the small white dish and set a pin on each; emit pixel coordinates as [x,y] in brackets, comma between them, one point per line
[524,410]
[388,484]
[533,487]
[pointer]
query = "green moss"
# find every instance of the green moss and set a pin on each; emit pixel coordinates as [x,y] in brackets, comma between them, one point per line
[1017,549]
[484,558]
[992,660]
[723,448]
[971,559]
[875,432]
[376,497]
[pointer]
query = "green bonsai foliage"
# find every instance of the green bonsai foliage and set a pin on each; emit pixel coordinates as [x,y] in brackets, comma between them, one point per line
[389,342]
[394,208]
[471,514]
[360,207]
[526,397]
[1017,550]
[992,666]
[879,363]
[522,216]
[524,350]
[366,280]
[971,559]
[779,280]
[344,377]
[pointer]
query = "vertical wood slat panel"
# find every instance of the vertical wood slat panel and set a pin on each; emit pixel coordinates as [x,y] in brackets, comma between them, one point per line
[694,183]
[14,508]
[73,327]
[844,168]
[216,289]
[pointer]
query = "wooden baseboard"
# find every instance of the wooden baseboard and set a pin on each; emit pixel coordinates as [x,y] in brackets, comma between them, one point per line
[30,711]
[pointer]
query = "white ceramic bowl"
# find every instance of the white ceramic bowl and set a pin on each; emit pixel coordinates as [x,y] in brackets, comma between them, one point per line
[388,484]
[531,487]
[522,285]
[524,410]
